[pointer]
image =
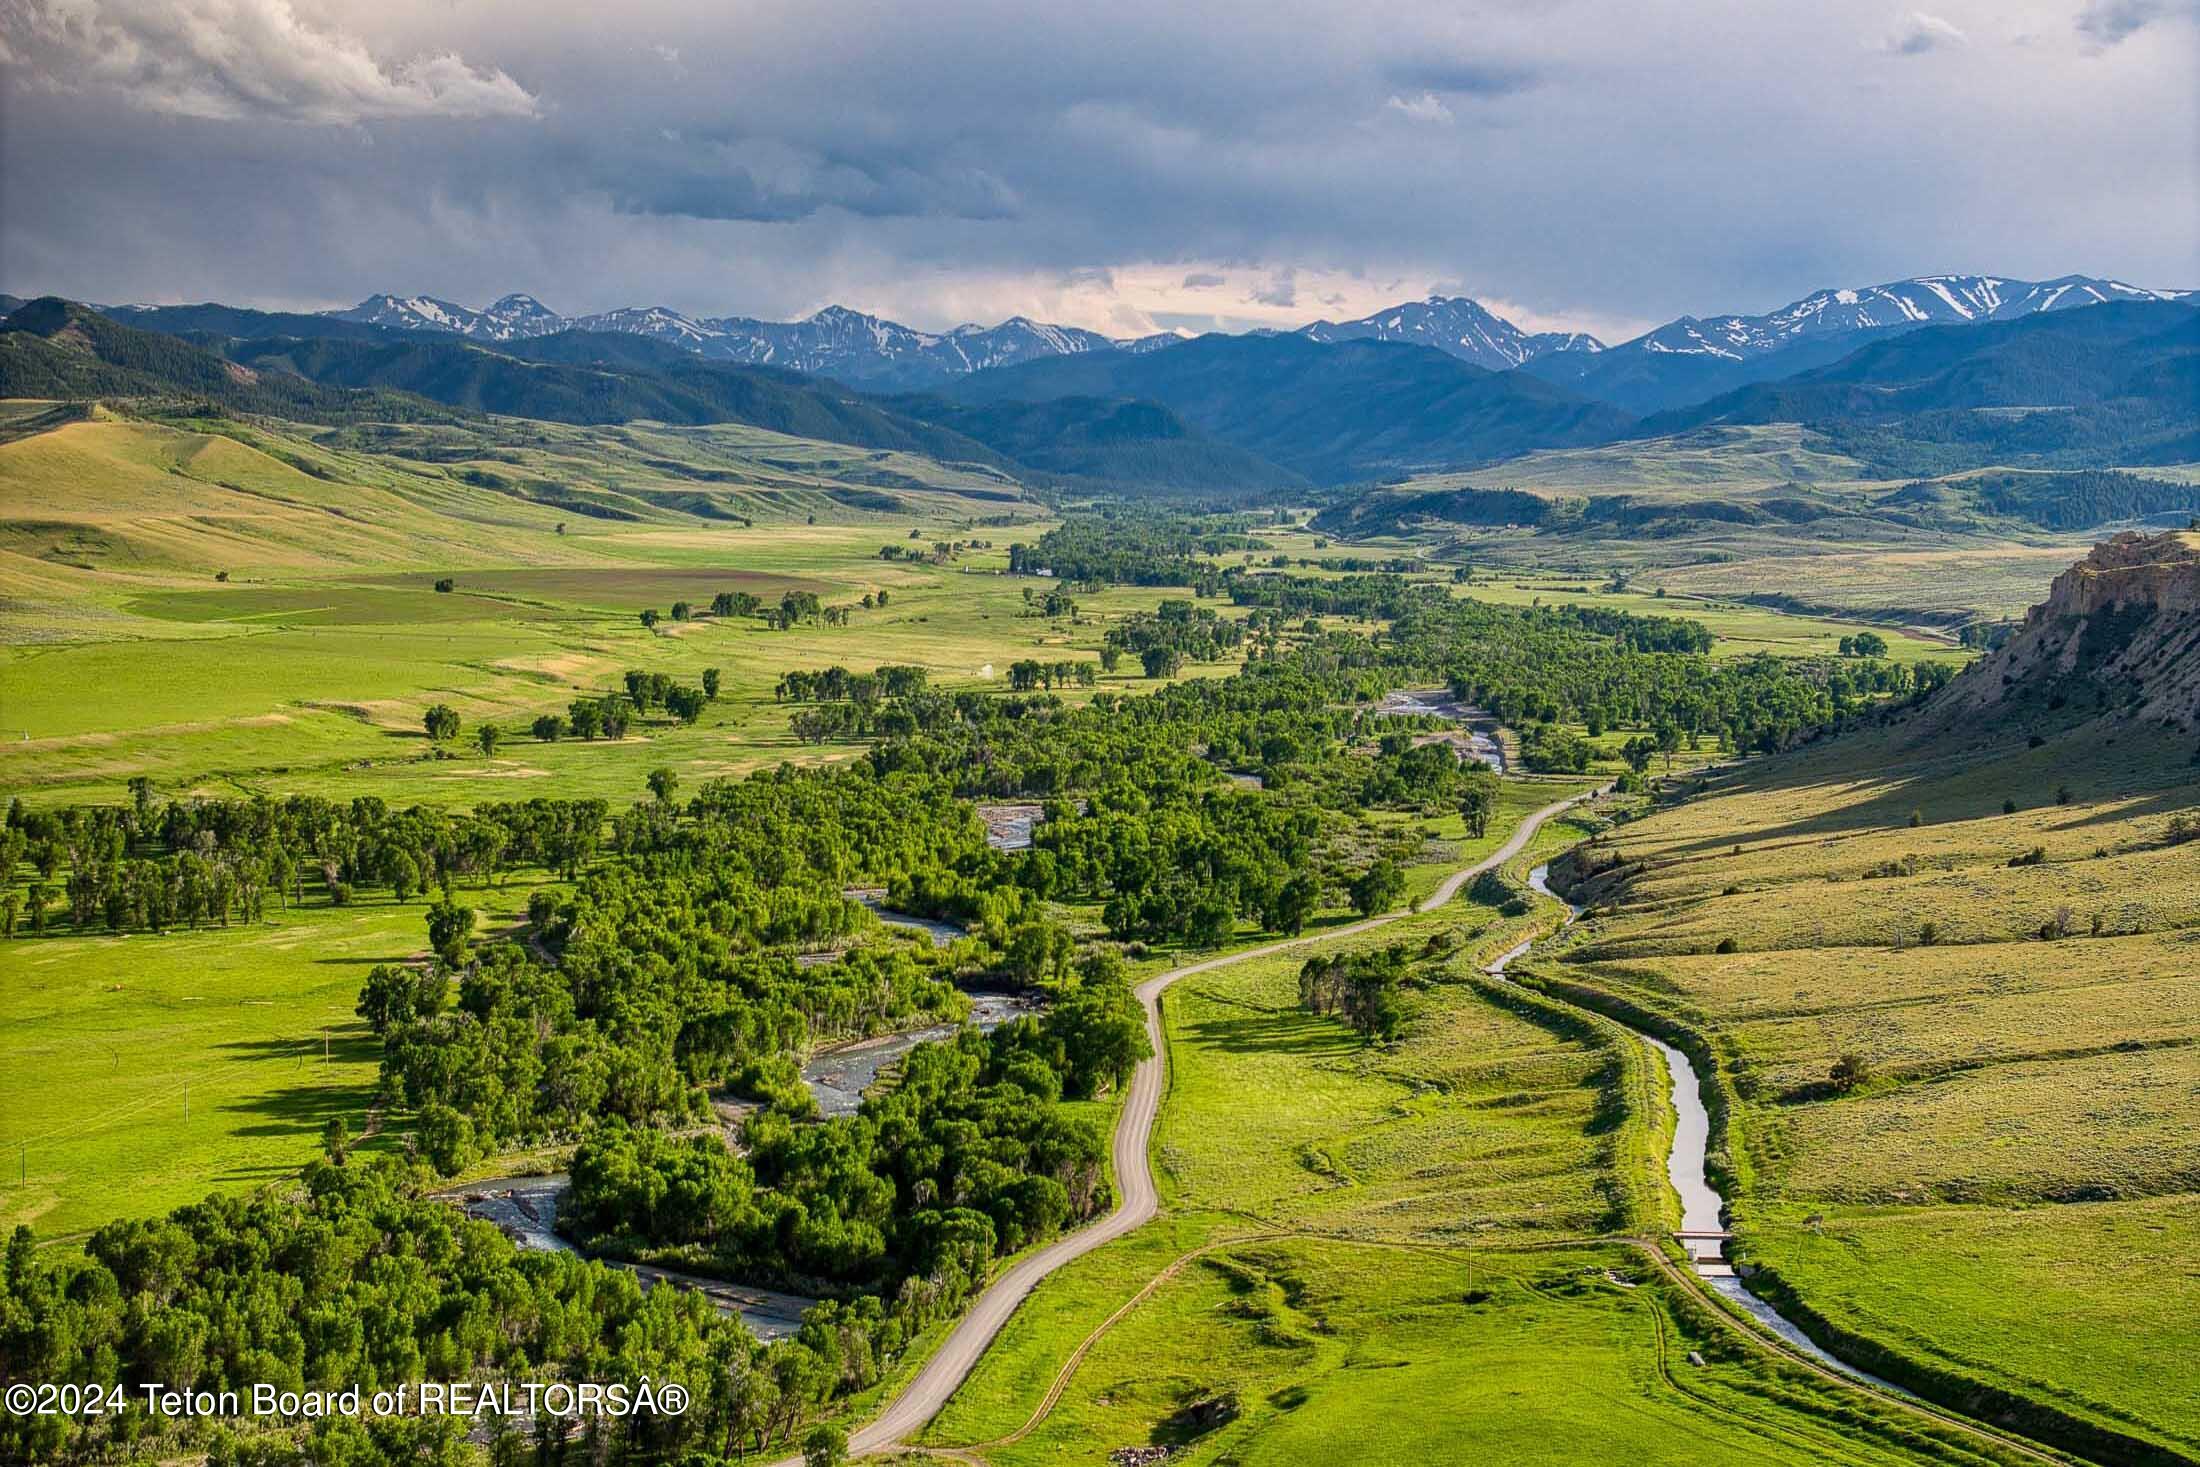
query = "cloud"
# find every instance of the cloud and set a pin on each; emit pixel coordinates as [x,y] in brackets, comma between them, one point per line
[2106,22]
[1464,78]
[241,59]
[761,180]
[935,165]
[1918,33]
[1428,107]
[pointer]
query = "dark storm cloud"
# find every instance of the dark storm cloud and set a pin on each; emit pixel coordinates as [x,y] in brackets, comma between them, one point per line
[2110,21]
[1463,78]
[1588,163]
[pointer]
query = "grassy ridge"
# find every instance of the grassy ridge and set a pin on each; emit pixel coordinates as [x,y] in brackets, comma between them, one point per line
[2003,1205]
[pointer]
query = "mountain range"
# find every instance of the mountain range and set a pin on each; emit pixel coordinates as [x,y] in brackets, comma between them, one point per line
[1683,361]
[1693,358]
[849,346]
[1331,412]
[2015,377]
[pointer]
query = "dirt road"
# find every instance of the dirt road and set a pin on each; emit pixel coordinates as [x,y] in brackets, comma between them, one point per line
[922,1399]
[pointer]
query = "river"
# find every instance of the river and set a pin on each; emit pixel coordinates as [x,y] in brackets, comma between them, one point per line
[838,1077]
[1703,1209]
[526,1208]
[1477,740]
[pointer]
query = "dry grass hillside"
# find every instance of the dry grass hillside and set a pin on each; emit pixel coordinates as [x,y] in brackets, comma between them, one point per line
[1949,971]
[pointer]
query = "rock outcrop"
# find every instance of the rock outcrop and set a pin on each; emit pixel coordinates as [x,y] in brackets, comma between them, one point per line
[2118,632]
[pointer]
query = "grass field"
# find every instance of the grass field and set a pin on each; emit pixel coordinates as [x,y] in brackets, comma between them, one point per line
[1770,517]
[322,641]
[2006,1197]
[1411,1355]
[1743,629]
[136,1072]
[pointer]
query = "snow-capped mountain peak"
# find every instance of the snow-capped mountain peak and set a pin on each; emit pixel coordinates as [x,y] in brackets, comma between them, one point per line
[412,313]
[515,317]
[1927,300]
[1455,325]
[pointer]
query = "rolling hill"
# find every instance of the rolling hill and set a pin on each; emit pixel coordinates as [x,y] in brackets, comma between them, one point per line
[1330,412]
[51,348]
[350,372]
[1108,441]
[2113,384]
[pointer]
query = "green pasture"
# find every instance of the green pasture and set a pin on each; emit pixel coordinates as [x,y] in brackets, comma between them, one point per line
[137,1071]
[2094,1305]
[1742,629]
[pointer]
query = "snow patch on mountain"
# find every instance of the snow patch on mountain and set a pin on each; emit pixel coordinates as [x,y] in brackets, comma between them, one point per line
[1457,326]
[1928,300]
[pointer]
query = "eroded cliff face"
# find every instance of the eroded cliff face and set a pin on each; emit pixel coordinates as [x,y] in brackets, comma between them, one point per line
[2118,633]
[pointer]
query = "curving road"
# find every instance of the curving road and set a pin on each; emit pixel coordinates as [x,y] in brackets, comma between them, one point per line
[952,1363]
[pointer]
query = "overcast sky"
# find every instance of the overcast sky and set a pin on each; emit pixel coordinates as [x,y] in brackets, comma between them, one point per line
[1125,166]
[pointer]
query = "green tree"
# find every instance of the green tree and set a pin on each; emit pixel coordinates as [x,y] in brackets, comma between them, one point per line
[1849,1071]
[1294,901]
[1378,888]
[1478,801]
[825,1446]
[450,926]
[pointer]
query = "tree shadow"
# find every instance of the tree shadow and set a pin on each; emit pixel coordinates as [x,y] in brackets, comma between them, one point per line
[298,1110]
[1276,1033]
[349,1042]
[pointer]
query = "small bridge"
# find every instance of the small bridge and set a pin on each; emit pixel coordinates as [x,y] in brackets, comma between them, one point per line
[1705,1247]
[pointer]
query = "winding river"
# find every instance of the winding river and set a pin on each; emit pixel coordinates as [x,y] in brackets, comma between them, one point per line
[838,1077]
[1702,1208]
[526,1208]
